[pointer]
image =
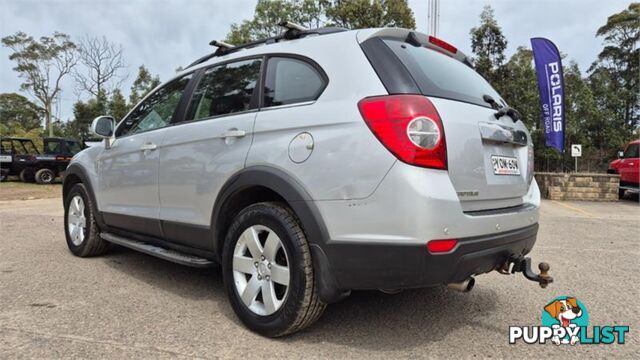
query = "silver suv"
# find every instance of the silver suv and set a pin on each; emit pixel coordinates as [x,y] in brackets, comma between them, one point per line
[311,164]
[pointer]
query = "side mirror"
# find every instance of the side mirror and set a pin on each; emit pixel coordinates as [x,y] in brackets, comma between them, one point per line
[620,154]
[103,126]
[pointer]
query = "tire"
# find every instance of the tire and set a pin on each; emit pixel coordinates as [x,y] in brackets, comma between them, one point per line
[300,305]
[4,174]
[45,176]
[621,193]
[90,243]
[28,175]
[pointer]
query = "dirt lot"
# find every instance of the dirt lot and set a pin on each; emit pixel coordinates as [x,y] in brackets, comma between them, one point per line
[126,304]
[16,190]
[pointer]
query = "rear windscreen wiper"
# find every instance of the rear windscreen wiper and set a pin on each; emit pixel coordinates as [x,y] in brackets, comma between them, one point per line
[507,110]
[502,110]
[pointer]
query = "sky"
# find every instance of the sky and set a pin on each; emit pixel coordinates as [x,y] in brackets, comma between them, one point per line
[165,34]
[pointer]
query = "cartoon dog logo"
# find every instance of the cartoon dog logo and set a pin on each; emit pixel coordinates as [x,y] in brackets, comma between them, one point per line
[564,311]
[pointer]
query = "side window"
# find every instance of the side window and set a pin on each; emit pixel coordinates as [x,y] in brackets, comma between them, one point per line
[290,81]
[155,111]
[5,147]
[632,151]
[73,147]
[52,147]
[225,89]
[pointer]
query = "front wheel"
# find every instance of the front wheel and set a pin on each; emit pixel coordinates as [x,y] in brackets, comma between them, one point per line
[268,271]
[80,227]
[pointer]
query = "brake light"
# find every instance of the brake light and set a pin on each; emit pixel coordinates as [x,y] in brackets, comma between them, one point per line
[441,246]
[409,127]
[442,44]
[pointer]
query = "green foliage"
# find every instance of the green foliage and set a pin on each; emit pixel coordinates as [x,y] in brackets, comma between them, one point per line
[488,44]
[42,64]
[619,65]
[17,112]
[118,107]
[353,14]
[142,85]
[83,115]
[358,14]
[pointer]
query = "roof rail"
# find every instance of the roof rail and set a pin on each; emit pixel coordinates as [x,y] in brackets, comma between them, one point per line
[294,31]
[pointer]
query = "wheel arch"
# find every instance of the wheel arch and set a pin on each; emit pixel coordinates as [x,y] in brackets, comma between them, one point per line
[75,174]
[261,183]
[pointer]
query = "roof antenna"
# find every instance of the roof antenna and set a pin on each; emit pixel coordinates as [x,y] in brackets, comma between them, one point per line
[293,30]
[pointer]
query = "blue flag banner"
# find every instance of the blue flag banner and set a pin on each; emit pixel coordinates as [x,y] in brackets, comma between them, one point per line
[551,88]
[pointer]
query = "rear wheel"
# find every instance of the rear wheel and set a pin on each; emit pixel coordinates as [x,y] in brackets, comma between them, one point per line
[28,175]
[621,193]
[80,227]
[4,174]
[45,176]
[268,271]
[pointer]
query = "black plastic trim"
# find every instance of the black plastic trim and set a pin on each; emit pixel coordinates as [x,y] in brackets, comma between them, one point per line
[165,244]
[282,184]
[136,224]
[392,73]
[196,236]
[367,265]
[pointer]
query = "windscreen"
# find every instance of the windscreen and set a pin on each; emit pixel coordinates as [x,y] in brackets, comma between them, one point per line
[439,75]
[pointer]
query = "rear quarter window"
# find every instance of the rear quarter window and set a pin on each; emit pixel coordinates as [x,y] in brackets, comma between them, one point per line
[290,81]
[439,75]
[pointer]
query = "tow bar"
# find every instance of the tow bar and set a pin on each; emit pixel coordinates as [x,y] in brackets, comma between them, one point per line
[520,263]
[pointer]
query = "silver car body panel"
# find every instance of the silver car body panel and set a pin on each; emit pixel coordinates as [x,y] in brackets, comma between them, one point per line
[362,192]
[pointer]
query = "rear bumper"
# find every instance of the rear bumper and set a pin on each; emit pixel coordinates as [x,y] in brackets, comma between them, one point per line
[355,266]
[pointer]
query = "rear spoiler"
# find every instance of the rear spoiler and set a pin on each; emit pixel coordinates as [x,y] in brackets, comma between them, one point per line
[416,38]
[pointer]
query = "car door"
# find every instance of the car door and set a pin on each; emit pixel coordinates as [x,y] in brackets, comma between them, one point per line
[128,169]
[630,165]
[201,153]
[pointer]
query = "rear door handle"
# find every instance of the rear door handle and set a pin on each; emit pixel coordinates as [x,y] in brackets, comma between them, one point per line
[148,147]
[233,133]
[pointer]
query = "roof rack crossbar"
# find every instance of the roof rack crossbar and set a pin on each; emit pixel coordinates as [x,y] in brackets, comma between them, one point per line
[294,31]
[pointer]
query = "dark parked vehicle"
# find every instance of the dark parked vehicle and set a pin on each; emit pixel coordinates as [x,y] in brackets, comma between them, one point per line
[20,157]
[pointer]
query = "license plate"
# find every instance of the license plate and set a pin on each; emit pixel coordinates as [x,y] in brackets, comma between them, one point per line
[5,158]
[505,165]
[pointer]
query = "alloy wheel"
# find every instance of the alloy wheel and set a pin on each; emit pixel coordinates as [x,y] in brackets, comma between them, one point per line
[261,270]
[76,221]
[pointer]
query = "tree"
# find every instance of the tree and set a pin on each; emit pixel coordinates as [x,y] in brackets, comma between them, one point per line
[42,64]
[353,14]
[102,62]
[118,105]
[17,112]
[143,83]
[83,115]
[358,14]
[267,15]
[618,63]
[488,44]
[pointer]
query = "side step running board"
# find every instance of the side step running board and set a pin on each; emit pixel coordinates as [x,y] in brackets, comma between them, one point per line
[160,252]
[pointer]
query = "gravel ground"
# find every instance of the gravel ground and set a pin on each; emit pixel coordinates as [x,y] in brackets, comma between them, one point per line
[129,305]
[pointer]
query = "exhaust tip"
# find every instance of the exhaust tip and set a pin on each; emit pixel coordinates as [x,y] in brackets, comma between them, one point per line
[464,286]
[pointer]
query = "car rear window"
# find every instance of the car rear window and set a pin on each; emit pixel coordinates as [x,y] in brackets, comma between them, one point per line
[439,75]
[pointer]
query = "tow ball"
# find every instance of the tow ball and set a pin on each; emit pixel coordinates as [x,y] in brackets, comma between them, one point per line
[520,263]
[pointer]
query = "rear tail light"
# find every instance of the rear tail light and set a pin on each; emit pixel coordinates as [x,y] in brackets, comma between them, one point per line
[441,246]
[409,127]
